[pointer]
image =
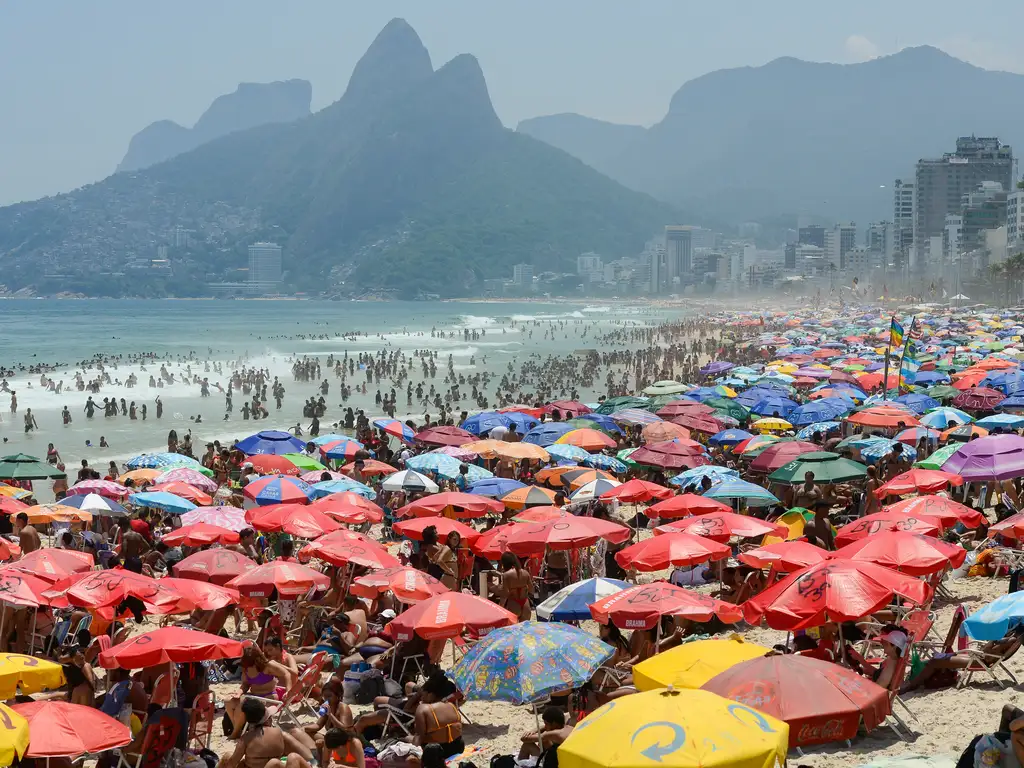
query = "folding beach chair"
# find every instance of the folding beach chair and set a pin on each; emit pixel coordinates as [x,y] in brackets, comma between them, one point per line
[200,725]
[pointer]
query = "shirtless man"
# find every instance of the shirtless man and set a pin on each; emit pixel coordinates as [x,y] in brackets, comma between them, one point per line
[807,493]
[262,745]
[819,530]
[28,536]
[872,485]
[553,732]
[247,545]
[133,544]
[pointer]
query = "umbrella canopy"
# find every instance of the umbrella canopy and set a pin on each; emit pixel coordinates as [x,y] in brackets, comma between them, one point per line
[546,434]
[278,489]
[528,496]
[587,439]
[341,484]
[62,729]
[446,466]
[886,520]
[675,729]
[826,467]
[270,441]
[642,606]
[567,407]
[905,552]
[55,513]
[1011,528]
[944,418]
[449,615]
[21,589]
[303,522]
[407,584]
[199,535]
[722,526]
[16,735]
[941,508]
[54,564]
[452,504]
[673,549]
[231,518]
[572,603]
[494,487]
[672,454]
[528,662]
[289,579]
[27,673]
[637,490]
[409,480]
[349,508]
[102,590]
[341,450]
[217,566]
[686,505]
[992,622]
[274,464]
[996,457]
[734,488]
[96,505]
[370,468]
[184,491]
[835,590]
[344,547]
[445,436]
[784,556]
[107,488]
[196,594]
[186,475]
[594,489]
[692,664]
[979,399]
[819,700]
[169,645]
[918,481]
[414,528]
[164,461]
[778,454]
[395,428]
[563,533]
[21,466]
[694,477]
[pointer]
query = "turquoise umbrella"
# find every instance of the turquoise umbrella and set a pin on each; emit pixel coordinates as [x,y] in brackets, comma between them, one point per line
[446,466]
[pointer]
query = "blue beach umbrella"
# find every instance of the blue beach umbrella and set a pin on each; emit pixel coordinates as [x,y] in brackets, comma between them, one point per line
[270,441]
[328,487]
[546,434]
[773,405]
[160,461]
[875,448]
[446,466]
[395,428]
[730,437]
[1001,421]
[606,423]
[635,416]
[168,502]
[919,403]
[494,487]
[482,423]
[733,488]
[572,603]
[344,450]
[814,411]
[603,461]
[523,422]
[564,452]
[529,661]
[96,504]
[331,438]
[691,477]
[818,428]
[993,621]
[944,418]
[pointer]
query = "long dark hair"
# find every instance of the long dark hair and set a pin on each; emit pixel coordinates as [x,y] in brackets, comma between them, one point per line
[430,535]
[509,560]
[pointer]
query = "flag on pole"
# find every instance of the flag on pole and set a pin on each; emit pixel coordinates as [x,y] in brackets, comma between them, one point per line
[909,364]
[895,333]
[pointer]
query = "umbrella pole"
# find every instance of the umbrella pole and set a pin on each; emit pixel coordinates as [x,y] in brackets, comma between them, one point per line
[536,716]
[842,645]
[32,636]
[394,657]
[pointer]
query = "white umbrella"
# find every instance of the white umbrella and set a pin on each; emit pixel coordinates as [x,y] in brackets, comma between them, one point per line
[409,480]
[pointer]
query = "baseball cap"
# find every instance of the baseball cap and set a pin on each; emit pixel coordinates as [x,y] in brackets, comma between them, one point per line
[897,638]
[387,613]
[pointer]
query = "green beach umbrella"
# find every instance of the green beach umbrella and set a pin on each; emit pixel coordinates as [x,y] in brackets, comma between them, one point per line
[624,455]
[666,388]
[302,461]
[21,466]
[942,392]
[614,404]
[827,467]
[728,407]
[940,457]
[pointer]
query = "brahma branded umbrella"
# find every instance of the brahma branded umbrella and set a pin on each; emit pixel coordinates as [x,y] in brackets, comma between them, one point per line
[449,615]
[905,552]
[169,645]
[407,584]
[62,729]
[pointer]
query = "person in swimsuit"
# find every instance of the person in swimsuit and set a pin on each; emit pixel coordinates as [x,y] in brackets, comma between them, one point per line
[266,746]
[274,650]
[334,714]
[80,678]
[342,748]
[446,558]
[553,733]
[260,677]
[438,721]
[516,586]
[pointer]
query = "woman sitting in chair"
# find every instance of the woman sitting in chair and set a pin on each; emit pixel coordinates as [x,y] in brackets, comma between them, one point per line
[438,721]
[261,678]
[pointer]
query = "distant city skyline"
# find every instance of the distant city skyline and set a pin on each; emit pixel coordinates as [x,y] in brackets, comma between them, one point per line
[83,78]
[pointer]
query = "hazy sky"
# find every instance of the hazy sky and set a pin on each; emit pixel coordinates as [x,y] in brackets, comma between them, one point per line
[81,77]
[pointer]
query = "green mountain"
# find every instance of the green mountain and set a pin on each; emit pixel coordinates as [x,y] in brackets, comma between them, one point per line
[408,182]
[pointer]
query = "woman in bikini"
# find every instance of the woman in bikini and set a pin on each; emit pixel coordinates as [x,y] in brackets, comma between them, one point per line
[262,678]
[342,748]
[611,676]
[516,586]
[266,746]
[438,721]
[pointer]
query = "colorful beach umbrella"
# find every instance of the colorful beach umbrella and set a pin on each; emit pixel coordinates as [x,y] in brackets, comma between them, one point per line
[270,441]
[572,603]
[278,489]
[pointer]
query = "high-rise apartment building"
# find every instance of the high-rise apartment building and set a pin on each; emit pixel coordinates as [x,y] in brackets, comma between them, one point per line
[812,235]
[941,183]
[1015,222]
[840,240]
[265,263]
[522,275]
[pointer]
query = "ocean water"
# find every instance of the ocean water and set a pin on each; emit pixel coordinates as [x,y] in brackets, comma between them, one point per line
[189,336]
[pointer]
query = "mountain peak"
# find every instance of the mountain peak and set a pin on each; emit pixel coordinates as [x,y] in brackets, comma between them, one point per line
[395,60]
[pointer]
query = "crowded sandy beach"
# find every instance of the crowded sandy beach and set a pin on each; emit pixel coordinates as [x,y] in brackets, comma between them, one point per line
[743,538]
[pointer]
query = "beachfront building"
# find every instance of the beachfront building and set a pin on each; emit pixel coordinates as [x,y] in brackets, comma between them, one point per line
[813,234]
[265,269]
[1015,222]
[941,184]
[840,240]
[522,277]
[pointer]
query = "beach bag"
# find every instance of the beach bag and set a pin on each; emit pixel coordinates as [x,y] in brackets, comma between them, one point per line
[370,687]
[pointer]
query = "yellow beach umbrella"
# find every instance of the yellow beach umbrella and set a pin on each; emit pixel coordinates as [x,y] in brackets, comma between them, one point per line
[771,424]
[692,664]
[56,513]
[141,475]
[14,492]
[675,729]
[28,673]
[515,451]
[13,735]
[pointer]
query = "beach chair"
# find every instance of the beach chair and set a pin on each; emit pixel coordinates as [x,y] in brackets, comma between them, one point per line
[162,734]
[200,725]
[71,637]
[989,663]
[293,697]
[894,698]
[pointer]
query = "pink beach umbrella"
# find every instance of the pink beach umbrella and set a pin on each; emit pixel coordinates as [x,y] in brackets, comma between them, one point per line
[231,518]
[189,477]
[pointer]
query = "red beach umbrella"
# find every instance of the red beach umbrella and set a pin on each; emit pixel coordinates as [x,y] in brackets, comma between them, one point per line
[349,508]
[52,565]
[636,491]
[563,533]
[170,645]
[1010,528]
[414,528]
[105,589]
[919,481]
[564,407]
[979,399]
[722,526]
[186,491]
[905,552]
[303,522]
[199,535]
[784,556]
[778,454]
[672,454]
[835,590]
[685,505]
[217,566]
[407,584]
[820,701]
[62,729]
[886,521]
[344,547]
[289,579]
[945,510]
[642,606]
[449,615]
[272,464]
[679,550]
[197,594]
[684,408]
[452,504]
[445,436]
